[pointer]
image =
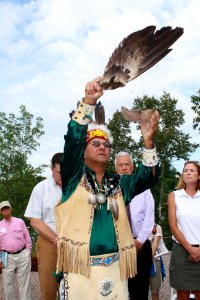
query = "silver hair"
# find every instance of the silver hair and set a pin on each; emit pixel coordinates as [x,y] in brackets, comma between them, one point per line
[123,153]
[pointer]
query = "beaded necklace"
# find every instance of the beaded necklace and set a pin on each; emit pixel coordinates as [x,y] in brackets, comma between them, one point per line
[99,196]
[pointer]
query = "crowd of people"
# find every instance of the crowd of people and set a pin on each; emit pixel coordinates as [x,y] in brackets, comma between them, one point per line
[97,237]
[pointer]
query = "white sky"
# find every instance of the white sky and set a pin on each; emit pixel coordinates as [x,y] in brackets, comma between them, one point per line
[49,49]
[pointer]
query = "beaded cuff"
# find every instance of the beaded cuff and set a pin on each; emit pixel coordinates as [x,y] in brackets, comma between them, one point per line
[83,114]
[149,157]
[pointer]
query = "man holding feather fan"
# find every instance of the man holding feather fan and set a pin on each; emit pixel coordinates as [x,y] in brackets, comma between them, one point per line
[96,250]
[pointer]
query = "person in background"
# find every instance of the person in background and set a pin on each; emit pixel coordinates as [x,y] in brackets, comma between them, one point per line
[40,211]
[15,241]
[141,217]
[184,216]
[158,270]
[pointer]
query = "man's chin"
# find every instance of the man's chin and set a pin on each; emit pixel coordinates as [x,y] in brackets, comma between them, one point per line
[102,158]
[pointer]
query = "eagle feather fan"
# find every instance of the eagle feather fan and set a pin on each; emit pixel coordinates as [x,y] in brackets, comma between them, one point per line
[137,53]
[137,116]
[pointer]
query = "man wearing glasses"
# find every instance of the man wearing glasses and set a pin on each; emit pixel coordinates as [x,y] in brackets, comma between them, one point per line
[96,250]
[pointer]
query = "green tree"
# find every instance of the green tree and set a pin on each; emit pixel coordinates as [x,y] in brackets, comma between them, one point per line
[171,143]
[18,139]
[122,140]
[196,107]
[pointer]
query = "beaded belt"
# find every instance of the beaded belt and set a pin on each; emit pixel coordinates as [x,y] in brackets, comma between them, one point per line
[104,261]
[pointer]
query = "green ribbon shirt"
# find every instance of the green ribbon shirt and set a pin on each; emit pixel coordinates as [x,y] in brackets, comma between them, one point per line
[103,237]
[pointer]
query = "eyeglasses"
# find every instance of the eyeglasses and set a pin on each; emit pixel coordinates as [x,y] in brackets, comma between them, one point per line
[97,144]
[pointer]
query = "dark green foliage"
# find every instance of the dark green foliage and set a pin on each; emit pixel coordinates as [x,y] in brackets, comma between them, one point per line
[171,143]
[122,140]
[196,107]
[18,139]
[17,190]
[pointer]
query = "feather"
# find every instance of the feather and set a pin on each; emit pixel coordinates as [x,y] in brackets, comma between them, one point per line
[73,111]
[137,53]
[137,116]
[99,114]
[114,208]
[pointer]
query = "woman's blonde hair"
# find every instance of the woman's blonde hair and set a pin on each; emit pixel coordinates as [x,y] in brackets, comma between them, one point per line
[181,184]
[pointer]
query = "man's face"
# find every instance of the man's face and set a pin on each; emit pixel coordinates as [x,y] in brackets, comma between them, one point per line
[56,174]
[124,165]
[97,151]
[6,211]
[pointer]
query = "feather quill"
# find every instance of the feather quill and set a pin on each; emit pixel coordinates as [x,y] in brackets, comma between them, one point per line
[137,116]
[137,53]
[99,114]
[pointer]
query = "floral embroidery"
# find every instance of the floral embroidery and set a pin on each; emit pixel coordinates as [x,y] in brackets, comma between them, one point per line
[106,286]
[63,238]
[149,157]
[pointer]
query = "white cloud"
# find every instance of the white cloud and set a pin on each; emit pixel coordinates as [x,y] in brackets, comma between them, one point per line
[49,49]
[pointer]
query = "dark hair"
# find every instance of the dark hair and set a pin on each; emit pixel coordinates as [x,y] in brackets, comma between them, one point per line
[56,159]
[181,183]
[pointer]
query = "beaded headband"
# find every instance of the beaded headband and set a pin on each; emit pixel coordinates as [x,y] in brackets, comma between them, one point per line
[98,131]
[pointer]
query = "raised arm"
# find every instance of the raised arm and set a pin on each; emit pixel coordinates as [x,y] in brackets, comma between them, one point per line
[147,174]
[73,158]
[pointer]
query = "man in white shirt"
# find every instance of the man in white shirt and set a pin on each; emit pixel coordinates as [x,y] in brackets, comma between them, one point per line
[40,211]
[141,216]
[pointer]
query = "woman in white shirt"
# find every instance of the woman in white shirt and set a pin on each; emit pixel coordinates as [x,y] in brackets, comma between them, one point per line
[184,221]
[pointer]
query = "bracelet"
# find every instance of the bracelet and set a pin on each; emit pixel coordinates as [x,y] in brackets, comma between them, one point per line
[149,157]
[55,241]
[83,114]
